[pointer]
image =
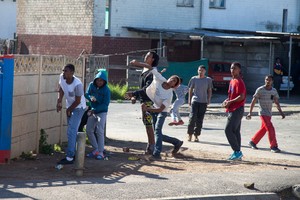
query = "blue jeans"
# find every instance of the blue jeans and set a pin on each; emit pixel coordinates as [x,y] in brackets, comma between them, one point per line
[73,124]
[175,109]
[158,122]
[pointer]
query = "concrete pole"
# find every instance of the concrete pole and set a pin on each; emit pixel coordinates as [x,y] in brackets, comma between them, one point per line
[79,161]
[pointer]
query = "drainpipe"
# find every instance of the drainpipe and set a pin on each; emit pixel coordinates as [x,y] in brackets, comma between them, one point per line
[290,63]
[202,43]
[200,14]
[270,58]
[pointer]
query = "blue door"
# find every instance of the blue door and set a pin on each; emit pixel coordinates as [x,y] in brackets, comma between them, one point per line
[6,99]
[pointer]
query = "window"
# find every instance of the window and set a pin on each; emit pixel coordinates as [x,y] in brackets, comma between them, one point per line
[185,3]
[216,3]
[107,17]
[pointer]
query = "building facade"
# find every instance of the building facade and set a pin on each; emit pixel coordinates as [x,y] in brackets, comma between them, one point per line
[117,27]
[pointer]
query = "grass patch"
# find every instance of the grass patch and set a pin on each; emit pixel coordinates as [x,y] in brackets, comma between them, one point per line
[117,91]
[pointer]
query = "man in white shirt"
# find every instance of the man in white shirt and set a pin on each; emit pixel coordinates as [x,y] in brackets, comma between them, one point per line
[71,87]
[161,93]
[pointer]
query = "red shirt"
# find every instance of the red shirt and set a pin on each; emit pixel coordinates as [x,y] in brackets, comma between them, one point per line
[236,87]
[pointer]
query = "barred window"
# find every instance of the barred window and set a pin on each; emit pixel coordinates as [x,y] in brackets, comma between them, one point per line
[185,3]
[217,3]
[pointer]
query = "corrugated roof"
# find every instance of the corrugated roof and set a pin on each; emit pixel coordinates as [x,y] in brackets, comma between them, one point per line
[226,34]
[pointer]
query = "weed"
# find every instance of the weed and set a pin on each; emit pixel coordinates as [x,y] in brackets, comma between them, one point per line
[44,147]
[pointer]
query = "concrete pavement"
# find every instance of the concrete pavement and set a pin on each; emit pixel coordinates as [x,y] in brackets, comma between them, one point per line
[124,123]
[213,139]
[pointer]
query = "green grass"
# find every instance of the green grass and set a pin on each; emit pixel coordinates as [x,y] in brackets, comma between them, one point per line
[117,91]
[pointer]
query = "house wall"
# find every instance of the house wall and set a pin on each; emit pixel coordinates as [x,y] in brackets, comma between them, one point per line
[152,14]
[252,15]
[8,12]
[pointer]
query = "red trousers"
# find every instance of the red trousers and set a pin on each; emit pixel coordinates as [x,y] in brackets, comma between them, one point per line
[266,125]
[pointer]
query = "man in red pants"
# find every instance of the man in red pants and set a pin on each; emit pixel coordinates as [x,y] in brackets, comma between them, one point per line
[266,95]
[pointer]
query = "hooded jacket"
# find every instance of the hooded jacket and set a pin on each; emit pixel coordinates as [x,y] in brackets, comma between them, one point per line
[102,94]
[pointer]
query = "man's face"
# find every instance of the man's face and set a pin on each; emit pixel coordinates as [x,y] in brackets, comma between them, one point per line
[148,58]
[67,73]
[99,82]
[235,71]
[172,82]
[268,81]
[201,71]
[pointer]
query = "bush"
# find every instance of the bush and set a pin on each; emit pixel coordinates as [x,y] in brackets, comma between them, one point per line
[44,147]
[117,91]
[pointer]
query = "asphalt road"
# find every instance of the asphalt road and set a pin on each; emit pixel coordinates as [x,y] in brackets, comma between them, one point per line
[124,123]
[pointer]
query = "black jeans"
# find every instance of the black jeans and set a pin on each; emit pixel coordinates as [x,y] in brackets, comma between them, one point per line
[277,82]
[196,118]
[233,128]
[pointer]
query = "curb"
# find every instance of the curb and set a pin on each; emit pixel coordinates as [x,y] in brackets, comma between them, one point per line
[242,196]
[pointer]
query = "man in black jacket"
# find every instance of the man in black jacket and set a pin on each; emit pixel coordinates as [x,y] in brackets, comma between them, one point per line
[145,80]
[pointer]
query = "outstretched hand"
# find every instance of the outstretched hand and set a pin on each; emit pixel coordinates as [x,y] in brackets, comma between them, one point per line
[128,95]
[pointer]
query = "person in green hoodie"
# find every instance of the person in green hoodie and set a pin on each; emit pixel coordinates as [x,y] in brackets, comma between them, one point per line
[98,94]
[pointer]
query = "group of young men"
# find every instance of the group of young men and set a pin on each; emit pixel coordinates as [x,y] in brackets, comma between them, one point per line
[155,95]
[199,97]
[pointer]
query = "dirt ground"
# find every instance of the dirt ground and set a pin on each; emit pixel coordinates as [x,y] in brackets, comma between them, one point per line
[121,164]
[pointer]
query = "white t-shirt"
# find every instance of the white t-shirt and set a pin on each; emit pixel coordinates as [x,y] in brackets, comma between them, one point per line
[157,93]
[72,90]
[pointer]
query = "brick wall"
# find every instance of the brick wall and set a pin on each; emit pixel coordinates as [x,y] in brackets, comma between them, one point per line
[56,17]
[54,44]
[113,45]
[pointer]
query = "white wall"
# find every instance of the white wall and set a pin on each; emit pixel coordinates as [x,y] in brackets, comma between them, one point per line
[253,15]
[8,19]
[152,14]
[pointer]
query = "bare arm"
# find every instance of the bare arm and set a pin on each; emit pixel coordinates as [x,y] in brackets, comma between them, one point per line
[239,98]
[140,64]
[59,99]
[209,94]
[190,95]
[253,102]
[279,108]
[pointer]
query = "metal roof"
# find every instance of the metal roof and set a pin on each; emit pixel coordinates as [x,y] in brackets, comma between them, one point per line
[217,33]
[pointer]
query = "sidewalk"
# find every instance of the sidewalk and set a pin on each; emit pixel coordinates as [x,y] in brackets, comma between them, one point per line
[202,171]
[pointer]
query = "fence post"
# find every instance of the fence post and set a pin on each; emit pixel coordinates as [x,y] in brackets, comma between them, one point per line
[39,104]
[6,99]
[80,151]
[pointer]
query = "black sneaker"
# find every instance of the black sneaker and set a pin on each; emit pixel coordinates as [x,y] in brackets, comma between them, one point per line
[252,145]
[149,150]
[64,161]
[275,150]
[155,157]
[177,147]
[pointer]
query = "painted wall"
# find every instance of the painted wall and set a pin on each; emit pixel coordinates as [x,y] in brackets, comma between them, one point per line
[8,19]
[252,15]
[152,14]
